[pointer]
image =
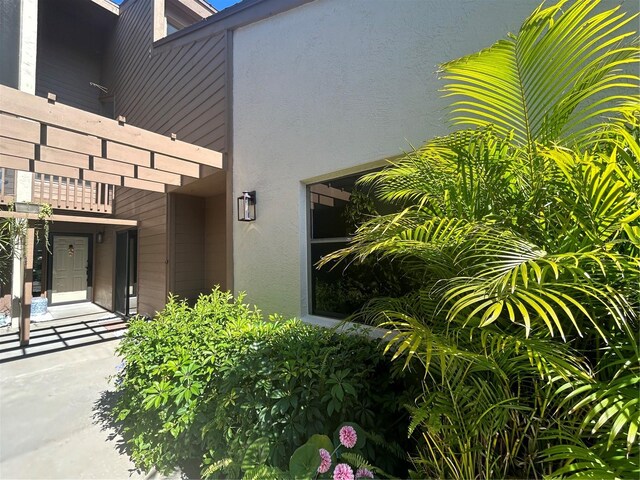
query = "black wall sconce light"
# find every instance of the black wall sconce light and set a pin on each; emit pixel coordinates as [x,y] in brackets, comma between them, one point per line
[247,207]
[100,237]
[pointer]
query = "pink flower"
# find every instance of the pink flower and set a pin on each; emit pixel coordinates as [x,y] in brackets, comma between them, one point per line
[364,473]
[342,472]
[348,436]
[325,463]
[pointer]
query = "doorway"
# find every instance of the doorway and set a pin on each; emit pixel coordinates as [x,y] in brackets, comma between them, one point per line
[70,269]
[126,285]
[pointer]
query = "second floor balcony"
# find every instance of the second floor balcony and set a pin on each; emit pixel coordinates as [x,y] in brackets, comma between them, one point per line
[60,192]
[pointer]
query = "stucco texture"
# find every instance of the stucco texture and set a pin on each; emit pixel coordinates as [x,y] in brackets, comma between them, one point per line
[330,87]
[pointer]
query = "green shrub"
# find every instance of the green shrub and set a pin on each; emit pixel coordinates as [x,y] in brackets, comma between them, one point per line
[205,382]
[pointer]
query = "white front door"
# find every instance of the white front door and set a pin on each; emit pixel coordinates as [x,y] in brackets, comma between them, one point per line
[70,266]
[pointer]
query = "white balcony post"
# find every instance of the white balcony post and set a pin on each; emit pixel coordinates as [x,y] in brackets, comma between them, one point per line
[27,83]
[28,46]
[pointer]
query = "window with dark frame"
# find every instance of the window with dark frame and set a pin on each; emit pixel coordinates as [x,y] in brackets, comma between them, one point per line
[336,208]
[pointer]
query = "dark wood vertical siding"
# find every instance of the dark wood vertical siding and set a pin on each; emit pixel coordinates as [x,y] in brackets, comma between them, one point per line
[171,88]
[150,209]
[67,72]
[187,244]
[72,40]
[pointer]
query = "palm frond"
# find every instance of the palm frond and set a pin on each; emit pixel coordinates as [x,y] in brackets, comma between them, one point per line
[464,175]
[6,250]
[581,461]
[604,199]
[525,86]
[612,406]
[408,234]
[525,284]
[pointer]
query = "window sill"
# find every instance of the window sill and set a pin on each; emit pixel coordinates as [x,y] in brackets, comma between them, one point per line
[372,332]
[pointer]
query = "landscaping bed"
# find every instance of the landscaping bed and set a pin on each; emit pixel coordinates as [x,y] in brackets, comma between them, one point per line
[206,383]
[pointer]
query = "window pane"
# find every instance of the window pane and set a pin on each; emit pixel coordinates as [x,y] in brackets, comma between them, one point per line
[337,208]
[171,28]
[8,181]
[341,291]
[328,221]
[329,208]
[336,293]
[334,210]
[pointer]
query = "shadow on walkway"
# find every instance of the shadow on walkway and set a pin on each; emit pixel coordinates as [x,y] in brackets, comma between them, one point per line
[73,331]
[103,417]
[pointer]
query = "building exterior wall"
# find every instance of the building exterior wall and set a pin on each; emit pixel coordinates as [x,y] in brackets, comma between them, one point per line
[326,89]
[69,58]
[172,88]
[28,45]
[150,209]
[67,72]
[197,244]
[187,246]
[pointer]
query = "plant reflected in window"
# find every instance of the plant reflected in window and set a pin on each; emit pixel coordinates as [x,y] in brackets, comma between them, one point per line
[337,208]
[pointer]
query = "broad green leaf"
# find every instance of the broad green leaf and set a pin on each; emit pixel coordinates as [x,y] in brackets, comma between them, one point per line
[256,454]
[304,462]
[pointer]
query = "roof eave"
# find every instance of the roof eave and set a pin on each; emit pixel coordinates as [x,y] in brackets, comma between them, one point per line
[238,15]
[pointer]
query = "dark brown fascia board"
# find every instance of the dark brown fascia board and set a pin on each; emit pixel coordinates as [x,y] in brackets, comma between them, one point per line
[236,16]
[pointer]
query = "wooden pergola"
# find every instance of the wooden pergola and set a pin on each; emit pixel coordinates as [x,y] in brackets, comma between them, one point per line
[42,136]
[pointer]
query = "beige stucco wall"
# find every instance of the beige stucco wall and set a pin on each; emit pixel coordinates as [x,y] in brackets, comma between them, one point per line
[331,86]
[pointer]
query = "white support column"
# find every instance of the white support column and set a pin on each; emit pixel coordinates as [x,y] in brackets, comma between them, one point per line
[27,77]
[28,45]
[159,21]
[27,83]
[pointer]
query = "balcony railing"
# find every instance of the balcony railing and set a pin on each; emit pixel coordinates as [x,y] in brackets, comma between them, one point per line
[72,194]
[60,192]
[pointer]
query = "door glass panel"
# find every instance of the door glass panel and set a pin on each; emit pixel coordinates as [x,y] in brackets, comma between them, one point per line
[132,287]
[126,288]
[121,273]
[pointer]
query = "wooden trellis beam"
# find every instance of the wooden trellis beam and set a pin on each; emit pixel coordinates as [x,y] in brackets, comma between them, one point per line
[39,135]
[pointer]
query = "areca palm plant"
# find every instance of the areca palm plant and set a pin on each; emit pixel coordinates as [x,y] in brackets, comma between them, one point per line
[522,229]
[5,251]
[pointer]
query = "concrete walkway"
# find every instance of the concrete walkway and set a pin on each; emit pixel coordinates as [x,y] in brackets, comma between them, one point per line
[48,422]
[63,327]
